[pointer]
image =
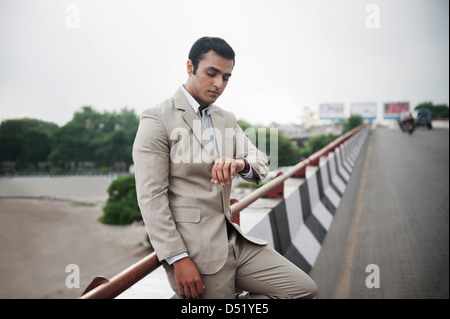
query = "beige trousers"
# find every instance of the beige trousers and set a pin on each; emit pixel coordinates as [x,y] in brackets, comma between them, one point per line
[257,271]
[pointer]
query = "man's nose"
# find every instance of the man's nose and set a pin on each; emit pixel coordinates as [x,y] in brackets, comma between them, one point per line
[218,82]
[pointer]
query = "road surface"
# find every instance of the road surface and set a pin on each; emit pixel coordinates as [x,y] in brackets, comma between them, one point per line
[390,234]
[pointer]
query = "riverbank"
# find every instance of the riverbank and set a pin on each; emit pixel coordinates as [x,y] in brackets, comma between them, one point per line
[46,226]
[89,188]
[39,238]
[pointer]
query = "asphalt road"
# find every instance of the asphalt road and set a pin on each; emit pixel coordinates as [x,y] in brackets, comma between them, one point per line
[390,235]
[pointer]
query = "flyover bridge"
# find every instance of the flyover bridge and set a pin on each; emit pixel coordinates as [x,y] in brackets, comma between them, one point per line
[366,217]
[395,215]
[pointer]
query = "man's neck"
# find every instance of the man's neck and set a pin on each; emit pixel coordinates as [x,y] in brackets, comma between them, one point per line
[201,106]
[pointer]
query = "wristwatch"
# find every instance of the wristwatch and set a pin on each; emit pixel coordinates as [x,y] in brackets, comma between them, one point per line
[246,168]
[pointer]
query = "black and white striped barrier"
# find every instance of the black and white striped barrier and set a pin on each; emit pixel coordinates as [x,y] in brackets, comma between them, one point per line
[296,222]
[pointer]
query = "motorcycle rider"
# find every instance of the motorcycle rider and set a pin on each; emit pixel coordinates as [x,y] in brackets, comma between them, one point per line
[409,123]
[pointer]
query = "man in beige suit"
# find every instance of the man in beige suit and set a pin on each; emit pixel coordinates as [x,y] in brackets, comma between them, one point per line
[186,154]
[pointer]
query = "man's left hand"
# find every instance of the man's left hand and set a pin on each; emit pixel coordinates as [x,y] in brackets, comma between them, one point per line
[225,168]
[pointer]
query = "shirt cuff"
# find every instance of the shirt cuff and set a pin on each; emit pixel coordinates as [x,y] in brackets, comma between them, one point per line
[171,260]
[249,174]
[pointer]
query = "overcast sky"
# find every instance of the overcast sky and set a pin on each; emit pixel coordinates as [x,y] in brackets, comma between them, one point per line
[57,56]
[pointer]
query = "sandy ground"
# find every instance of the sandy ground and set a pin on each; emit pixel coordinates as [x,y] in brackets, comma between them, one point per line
[40,238]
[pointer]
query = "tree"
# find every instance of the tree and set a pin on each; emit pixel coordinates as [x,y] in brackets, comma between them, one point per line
[351,122]
[10,147]
[20,126]
[103,138]
[128,123]
[244,124]
[25,140]
[316,143]
[288,153]
[437,111]
[110,148]
[93,121]
[70,144]
[36,147]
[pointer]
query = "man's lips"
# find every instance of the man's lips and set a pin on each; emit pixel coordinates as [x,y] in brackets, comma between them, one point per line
[214,93]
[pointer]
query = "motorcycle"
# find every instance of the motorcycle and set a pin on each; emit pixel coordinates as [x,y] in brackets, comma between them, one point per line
[408,125]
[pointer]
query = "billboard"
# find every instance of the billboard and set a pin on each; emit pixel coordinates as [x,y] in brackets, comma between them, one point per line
[394,110]
[368,111]
[331,111]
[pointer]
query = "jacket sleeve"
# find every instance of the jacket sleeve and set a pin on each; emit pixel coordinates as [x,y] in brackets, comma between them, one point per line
[256,158]
[151,161]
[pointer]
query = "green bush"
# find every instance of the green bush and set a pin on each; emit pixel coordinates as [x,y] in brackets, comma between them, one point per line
[122,207]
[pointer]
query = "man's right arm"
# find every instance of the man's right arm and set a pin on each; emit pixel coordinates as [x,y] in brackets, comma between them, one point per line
[151,161]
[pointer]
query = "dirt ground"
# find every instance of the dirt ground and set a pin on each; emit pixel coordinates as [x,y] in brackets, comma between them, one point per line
[40,238]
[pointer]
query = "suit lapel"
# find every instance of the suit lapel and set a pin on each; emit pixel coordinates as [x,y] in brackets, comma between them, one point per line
[192,119]
[219,129]
[224,133]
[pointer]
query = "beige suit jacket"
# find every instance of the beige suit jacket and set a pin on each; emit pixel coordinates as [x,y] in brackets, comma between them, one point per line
[173,158]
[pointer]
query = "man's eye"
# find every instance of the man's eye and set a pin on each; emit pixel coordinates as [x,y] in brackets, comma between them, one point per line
[211,74]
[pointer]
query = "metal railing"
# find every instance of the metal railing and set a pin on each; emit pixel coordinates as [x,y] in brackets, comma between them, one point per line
[102,288]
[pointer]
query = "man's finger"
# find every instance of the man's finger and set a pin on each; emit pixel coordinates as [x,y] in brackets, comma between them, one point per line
[181,291]
[187,291]
[233,168]
[223,171]
[200,289]
[214,174]
[219,171]
[226,175]
[215,170]
[194,292]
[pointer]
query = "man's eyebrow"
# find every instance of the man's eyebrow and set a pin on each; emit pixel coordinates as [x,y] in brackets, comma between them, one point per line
[217,70]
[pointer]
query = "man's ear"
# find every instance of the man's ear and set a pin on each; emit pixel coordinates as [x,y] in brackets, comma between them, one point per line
[190,67]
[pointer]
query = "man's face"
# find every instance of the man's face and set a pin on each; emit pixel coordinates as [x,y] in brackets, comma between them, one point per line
[210,79]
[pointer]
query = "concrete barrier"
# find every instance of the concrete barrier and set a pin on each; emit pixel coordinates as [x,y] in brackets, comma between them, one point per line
[296,225]
[335,180]
[329,194]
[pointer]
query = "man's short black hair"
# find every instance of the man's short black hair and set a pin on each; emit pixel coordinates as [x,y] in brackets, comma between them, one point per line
[205,44]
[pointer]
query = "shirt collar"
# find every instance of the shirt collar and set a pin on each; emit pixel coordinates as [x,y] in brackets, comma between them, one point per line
[195,105]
